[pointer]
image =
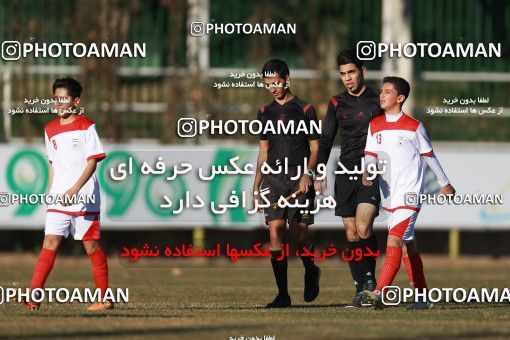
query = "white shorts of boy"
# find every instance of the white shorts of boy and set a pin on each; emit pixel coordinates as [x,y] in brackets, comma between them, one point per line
[401,222]
[81,227]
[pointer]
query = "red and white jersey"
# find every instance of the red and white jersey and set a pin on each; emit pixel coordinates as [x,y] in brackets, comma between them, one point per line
[69,147]
[399,140]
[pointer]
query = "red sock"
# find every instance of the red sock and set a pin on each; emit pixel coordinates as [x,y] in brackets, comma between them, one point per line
[409,270]
[43,267]
[390,267]
[100,270]
[417,276]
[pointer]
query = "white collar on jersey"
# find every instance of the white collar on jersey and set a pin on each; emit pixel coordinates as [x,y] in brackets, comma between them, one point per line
[394,118]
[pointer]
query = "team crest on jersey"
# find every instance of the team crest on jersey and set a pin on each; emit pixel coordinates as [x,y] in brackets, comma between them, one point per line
[75,143]
[54,142]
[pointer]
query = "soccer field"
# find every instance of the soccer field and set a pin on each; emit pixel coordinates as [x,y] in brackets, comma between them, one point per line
[220,300]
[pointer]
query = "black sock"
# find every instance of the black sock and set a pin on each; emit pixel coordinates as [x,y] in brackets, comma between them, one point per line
[356,267]
[280,271]
[370,261]
[308,261]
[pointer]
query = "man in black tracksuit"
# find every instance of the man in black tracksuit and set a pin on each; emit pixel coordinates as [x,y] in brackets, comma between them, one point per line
[274,149]
[350,112]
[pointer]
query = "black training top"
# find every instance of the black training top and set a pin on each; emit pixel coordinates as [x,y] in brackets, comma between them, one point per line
[293,146]
[351,115]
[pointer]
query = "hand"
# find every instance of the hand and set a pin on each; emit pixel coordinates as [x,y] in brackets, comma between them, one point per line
[365,180]
[448,190]
[305,183]
[69,196]
[256,198]
[321,185]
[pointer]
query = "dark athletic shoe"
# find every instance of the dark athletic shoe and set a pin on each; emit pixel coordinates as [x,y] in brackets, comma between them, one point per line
[357,301]
[374,298]
[280,301]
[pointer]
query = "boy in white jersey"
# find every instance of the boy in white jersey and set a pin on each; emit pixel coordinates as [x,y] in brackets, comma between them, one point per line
[74,149]
[401,143]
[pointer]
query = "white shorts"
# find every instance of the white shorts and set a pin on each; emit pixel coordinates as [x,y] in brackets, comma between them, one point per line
[401,223]
[81,227]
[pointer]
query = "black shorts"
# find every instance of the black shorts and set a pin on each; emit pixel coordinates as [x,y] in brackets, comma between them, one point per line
[351,192]
[281,185]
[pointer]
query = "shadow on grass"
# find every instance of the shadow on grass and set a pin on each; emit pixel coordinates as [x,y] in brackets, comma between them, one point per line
[257,307]
[466,306]
[105,315]
[177,330]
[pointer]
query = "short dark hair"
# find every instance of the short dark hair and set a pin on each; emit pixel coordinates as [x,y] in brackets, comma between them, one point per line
[400,84]
[349,56]
[275,66]
[72,86]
